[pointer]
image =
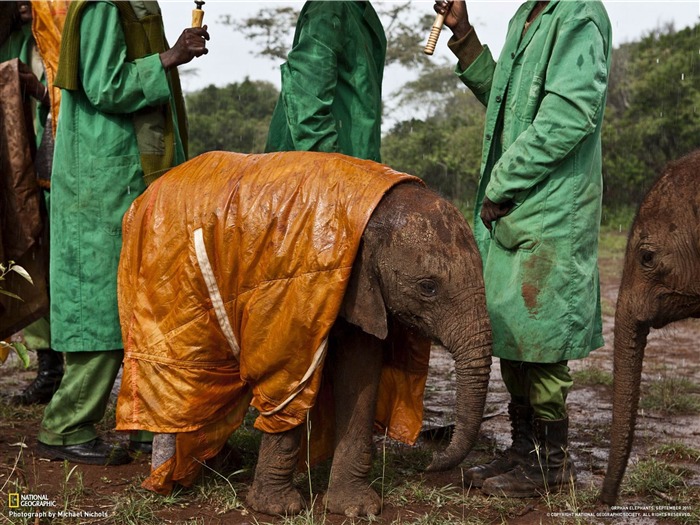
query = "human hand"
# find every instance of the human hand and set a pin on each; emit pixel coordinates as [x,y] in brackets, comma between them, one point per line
[492,211]
[456,16]
[32,86]
[191,44]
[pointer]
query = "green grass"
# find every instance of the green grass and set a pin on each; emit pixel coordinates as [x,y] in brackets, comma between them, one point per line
[652,477]
[671,395]
[136,508]
[678,452]
[592,376]
[419,492]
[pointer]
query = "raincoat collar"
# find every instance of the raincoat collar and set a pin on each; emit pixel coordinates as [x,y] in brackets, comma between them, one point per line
[521,18]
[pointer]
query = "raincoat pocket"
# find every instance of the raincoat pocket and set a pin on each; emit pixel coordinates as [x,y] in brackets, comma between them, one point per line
[521,229]
[116,182]
[527,95]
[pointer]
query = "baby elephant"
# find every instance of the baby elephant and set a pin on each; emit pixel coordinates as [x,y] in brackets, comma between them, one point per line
[309,286]
[660,284]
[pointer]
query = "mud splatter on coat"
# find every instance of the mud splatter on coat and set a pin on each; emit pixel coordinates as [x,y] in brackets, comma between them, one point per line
[545,101]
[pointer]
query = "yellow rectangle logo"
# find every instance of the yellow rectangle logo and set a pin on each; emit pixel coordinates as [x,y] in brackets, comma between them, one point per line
[13,500]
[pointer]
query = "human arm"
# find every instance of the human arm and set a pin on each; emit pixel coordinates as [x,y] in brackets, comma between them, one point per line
[190,45]
[475,63]
[492,211]
[32,85]
[310,77]
[112,83]
[456,16]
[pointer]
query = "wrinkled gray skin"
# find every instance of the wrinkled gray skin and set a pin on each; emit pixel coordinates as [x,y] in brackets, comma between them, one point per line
[418,264]
[660,284]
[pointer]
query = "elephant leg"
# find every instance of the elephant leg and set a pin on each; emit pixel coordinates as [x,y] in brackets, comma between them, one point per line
[273,491]
[356,366]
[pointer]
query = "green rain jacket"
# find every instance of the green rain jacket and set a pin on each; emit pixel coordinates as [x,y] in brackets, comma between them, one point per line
[545,101]
[96,176]
[331,97]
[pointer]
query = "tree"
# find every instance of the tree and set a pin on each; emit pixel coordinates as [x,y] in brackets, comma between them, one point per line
[231,118]
[653,111]
[273,27]
[444,149]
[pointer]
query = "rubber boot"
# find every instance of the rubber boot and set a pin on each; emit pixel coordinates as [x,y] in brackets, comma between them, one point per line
[522,444]
[46,382]
[548,468]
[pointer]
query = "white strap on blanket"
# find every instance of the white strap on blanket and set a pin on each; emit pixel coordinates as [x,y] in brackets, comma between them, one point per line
[318,357]
[214,293]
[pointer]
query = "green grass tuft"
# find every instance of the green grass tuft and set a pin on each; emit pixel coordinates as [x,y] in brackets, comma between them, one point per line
[671,395]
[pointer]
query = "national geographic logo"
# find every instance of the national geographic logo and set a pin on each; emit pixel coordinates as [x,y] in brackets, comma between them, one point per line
[17,500]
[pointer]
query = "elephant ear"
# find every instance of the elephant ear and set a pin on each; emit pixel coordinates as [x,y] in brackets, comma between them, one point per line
[363,304]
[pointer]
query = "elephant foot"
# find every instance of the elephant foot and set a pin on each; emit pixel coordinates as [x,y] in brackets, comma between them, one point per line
[354,500]
[284,501]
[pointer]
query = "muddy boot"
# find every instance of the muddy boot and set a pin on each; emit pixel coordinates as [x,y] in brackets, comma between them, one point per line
[46,382]
[548,468]
[521,432]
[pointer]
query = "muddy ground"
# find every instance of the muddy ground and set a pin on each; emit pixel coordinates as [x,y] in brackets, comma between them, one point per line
[90,494]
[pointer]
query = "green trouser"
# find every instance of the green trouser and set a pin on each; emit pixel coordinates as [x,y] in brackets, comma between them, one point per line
[81,400]
[544,386]
[38,335]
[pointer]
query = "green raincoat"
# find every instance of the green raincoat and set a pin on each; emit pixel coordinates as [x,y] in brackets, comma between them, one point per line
[96,176]
[545,102]
[331,98]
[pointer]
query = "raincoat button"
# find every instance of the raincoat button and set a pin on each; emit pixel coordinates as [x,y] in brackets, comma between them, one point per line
[512,55]
[488,137]
[498,98]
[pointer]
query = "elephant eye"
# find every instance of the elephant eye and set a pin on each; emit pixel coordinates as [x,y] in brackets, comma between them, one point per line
[646,258]
[428,287]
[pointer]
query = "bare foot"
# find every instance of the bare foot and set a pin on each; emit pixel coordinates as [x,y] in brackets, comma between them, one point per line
[352,499]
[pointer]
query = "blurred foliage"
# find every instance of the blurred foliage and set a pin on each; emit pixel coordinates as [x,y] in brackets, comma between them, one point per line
[272,28]
[231,118]
[444,149]
[653,110]
[652,114]
[7,346]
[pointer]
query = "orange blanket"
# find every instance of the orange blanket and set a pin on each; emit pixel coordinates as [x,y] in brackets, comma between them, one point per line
[232,273]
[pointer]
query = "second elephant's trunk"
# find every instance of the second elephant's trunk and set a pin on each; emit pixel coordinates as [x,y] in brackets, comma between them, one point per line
[472,355]
[630,342]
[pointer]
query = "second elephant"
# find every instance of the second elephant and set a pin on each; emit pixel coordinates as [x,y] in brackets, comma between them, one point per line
[258,279]
[660,285]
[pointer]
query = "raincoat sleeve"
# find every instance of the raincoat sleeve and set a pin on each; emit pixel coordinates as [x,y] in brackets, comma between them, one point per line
[575,88]
[111,83]
[309,79]
[476,65]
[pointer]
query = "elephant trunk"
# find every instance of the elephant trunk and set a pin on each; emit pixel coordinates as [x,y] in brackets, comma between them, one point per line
[472,355]
[630,342]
